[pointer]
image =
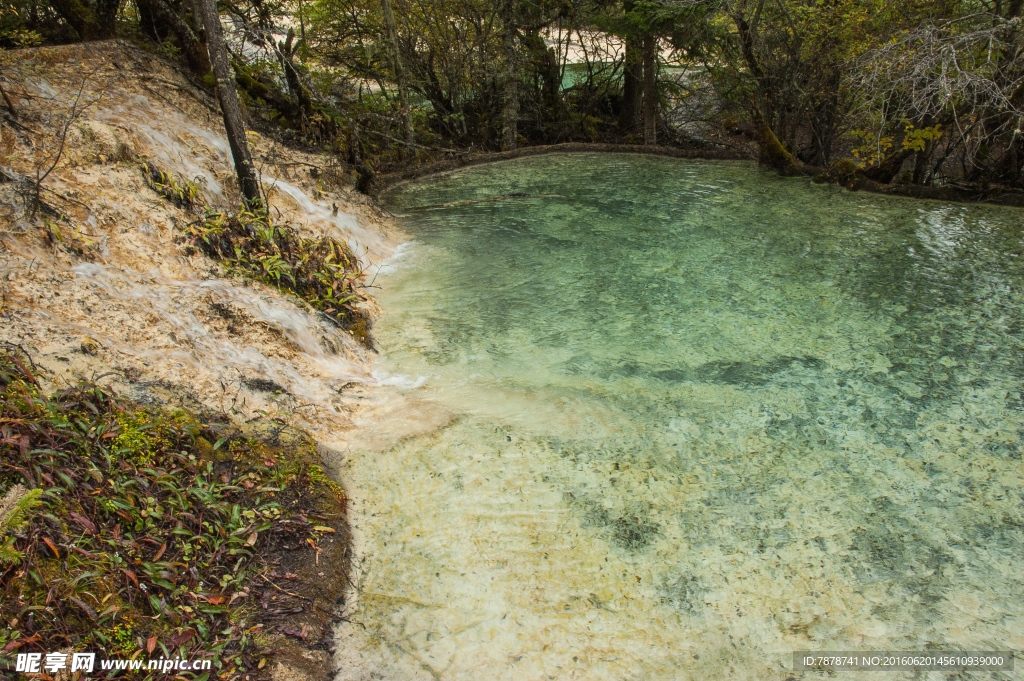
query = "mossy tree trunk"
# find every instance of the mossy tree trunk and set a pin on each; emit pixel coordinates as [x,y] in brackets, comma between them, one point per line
[885,171]
[159,20]
[545,63]
[302,97]
[772,152]
[399,68]
[91,21]
[228,98]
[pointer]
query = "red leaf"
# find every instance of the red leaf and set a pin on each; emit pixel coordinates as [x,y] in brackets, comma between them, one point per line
[150,644]
[84,552]
[11,646]
[184,637]
[17,643]
[163,547]
[86,524]
[53,547]
[23,369]
[291,632]
[131,576]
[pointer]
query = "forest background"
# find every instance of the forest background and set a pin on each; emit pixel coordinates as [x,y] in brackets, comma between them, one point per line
[921,93]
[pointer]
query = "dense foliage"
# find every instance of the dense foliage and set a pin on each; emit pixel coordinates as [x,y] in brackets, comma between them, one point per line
[919,92]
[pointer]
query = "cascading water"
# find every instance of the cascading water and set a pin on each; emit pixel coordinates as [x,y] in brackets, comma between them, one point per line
[676,420]
[203,156]
[322,370]
[158,315]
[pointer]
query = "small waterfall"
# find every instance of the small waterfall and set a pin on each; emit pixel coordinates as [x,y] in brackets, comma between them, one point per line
[155,293]
[157,311]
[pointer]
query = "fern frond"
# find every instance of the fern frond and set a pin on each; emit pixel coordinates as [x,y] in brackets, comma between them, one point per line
[15,508]
[9,554]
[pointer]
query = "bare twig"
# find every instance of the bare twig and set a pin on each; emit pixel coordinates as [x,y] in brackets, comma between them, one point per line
[417,146]
[937,64]
[73,115]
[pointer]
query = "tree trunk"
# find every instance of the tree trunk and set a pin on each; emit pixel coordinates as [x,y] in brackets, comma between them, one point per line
[886,171]
[825,121]
[998,127]
[150,22]
[90,21]
[764,88]
[295,86]
[106,18]
[78,16]
[159,20]
[355,153]
[922,161]
[510,104]
[632,75]
[545,63]
[1011,165]
[650,89]
[399,67]
[772,153]
[10,105]
[228,97]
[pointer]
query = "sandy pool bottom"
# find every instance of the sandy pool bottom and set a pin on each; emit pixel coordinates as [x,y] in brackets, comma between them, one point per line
[675,420]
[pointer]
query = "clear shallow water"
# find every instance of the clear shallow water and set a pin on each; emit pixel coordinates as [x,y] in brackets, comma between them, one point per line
[698,417]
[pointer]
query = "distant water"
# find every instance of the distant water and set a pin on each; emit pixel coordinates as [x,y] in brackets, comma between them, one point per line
[703,416]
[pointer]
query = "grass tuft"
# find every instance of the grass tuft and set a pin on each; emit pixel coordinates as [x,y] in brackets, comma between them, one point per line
[323,272]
